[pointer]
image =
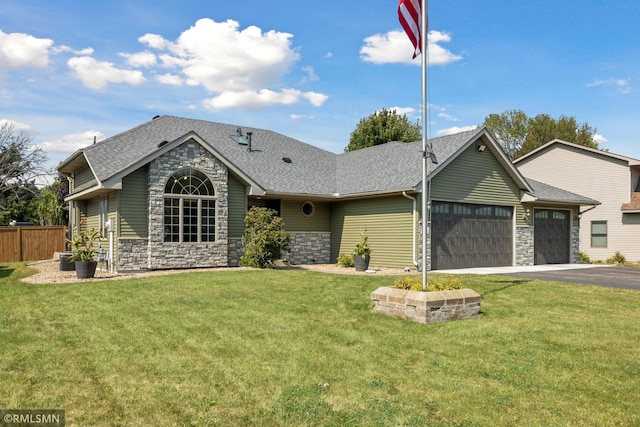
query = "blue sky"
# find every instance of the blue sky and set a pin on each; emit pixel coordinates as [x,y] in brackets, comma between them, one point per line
[72,70]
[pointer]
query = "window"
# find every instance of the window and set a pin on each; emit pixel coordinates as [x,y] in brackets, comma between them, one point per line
[598,234]
[103,216]
[189,207]
[503,212]
[308,209]
[459,209]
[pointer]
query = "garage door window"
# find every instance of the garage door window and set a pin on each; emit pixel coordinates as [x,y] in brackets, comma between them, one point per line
[598,234]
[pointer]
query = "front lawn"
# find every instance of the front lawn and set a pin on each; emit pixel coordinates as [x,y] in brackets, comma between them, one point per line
[281,348]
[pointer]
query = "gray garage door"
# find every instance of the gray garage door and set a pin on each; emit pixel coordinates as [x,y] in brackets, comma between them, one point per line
[552,236]
[467,235]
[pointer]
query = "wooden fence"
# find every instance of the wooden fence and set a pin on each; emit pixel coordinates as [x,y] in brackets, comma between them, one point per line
[32,243]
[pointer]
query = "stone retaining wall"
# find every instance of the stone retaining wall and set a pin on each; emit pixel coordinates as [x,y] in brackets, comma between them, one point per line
[426,307]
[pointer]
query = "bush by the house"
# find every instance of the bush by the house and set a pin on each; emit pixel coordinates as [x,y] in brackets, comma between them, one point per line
[346,260]
[584,258]
[265,238]
[617,258]
[434,284]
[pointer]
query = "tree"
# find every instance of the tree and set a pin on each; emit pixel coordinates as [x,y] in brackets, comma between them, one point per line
[519,134]
[509,128]
[20,163]
[265,238]
[381,127]
[49,208]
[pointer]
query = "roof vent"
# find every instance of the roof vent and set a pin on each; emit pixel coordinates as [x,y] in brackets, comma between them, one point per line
[162,143]
[155,117]
[286,159]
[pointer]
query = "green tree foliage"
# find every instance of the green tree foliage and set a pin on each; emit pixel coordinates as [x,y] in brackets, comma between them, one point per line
[381,127]
[519,134]
[49,208]
[265,238]
[19,204]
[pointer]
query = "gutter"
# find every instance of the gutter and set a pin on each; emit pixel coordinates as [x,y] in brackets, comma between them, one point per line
[415,213]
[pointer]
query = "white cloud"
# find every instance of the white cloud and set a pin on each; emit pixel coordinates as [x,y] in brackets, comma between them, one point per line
[455,129]
[141,59]
[170,79]
[600,139]
[241,68]
[622,85]
[403,110]
[262,98]
[310,75]
[18,50]
[70,143]
[395,47]
[448,117]
[97,75]
[17,126]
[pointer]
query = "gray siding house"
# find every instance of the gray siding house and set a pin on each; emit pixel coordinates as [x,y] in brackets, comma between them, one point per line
[173,192]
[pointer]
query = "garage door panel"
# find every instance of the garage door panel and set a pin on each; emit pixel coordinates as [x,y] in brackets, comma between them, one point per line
[461,239]
[552,236]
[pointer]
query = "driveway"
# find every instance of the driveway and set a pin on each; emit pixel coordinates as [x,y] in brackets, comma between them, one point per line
[589,274]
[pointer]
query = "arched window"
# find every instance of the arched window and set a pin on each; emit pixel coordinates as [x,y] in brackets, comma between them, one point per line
[189,207]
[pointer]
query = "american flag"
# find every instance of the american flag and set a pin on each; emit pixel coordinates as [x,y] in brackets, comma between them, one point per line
[409,13]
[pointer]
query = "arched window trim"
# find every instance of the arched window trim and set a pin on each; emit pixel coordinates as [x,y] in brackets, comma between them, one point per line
[189,215]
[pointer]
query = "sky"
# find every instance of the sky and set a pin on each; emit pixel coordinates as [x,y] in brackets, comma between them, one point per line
[74,70]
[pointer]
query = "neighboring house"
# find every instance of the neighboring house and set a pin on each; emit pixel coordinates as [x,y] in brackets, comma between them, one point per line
[176,191]
[614,180]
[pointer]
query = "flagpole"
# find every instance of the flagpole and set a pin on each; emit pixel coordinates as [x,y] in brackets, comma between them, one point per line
[425,217]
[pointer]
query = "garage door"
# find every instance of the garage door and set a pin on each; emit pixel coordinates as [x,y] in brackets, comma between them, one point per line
[552,236]
[467,235]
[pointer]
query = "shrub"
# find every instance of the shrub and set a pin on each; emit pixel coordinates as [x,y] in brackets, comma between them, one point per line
[414,283]
[584,257]
[618,258]
[346,260]
[265,238]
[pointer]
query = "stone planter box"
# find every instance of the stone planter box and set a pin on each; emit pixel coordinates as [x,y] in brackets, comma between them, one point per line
[427,307]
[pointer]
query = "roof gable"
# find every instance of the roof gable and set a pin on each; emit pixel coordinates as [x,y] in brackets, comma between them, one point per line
[587,150]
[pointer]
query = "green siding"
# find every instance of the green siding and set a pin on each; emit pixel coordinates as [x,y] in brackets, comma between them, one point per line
[237,207]
[83,179]
[295,220]
[475,177]
[133,205]
[389,225]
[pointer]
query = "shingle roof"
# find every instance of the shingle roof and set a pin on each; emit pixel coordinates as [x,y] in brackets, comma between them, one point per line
[549,193]
[388,167]
[393,166]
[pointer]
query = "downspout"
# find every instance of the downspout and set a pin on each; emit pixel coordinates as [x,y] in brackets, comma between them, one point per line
[415,212]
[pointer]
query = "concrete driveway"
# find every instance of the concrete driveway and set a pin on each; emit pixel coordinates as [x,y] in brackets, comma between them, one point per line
[589,274]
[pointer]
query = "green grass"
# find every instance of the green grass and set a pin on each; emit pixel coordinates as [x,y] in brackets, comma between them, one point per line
[281,348]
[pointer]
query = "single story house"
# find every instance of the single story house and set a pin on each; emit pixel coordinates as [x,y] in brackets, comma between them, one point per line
[614,180]
[173,193]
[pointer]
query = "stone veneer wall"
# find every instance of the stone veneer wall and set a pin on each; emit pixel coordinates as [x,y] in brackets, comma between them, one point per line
[309,247]
[132,254]
[161,254]
[236,247]
[524,246]
[426,307]
[575,245]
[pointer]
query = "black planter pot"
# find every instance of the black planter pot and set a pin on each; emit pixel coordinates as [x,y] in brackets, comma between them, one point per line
[362,262]
[65,262]
[85,269]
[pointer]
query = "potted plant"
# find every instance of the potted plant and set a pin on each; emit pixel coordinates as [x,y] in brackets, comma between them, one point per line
[362,253]
[84,253]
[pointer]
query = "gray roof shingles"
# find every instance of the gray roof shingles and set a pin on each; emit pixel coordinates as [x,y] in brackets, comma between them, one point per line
[388,167]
